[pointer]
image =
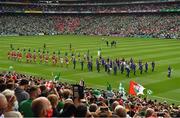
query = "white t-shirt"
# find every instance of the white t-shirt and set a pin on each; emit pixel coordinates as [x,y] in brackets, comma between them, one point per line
[13,114]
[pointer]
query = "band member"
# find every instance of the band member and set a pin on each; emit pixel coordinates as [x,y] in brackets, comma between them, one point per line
[72,56]
[105,67]
[54,58]
[19,56]
[103,62]
[89,65]
[99,52]
[14,55]
[169,71]
[79,57]
[44,46]
[39,52]
[34,56]
[141,68]
[9,54]
[24,52]
[28,56]
[146,67]
[47,57]
[41,57]
[97,65]
[107,43]
[115,68]
[74,63]
[82,64]
[134,68]
[153,66]
[122,67]
[67,61]
[127,70]
[61,61]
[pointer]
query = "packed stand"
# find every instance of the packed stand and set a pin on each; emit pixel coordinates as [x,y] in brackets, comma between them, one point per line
[29,96]
[134,25]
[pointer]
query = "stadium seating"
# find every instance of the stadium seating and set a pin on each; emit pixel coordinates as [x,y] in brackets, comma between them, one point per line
[125,20]
[124,25]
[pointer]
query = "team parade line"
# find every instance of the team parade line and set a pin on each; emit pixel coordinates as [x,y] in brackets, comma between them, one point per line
[45,57]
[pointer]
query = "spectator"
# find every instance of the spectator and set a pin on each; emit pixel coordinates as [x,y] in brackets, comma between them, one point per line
[2,85]
[69,110]
[131,112]
[54,102]
[11,98]
[10,84]
[114,104]
[150,113]
[120,111]
[3,105]
[20,91]
[81,110]
[93,107]
[41,107]
[25,105]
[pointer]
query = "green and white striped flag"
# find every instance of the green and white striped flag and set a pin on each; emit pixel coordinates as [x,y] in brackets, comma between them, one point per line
[57,77]
[122,91]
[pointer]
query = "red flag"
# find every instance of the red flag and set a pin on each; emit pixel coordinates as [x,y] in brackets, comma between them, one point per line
[135,88]
[131,88]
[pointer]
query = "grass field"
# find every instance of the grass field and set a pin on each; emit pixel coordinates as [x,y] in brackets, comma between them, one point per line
[163,52]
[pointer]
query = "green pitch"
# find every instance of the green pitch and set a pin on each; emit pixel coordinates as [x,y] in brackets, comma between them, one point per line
[163,52]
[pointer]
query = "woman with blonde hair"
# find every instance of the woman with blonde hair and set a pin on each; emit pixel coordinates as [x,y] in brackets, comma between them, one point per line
[11,99]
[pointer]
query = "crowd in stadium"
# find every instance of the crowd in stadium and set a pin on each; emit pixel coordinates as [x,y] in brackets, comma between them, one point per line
[129,25]
[31,96]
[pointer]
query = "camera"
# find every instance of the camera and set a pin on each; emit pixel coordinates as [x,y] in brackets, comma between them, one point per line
[78,91]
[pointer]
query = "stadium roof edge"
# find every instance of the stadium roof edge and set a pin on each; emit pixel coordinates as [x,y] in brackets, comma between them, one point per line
[90,4]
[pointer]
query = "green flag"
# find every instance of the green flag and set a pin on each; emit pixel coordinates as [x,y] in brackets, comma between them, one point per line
[57,77]
[109,88]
